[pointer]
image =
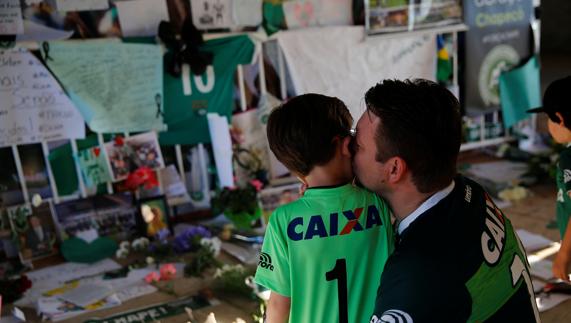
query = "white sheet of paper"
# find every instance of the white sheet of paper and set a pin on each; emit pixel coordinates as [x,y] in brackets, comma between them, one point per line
[531,241]
[542,269]
[33,106]
[211,14]
[18,314]
[340,61]
[499,171]
[38,32]
[247,12]
[11,17]
[174,188]
[247,256]
[222,147]
[81,5]
[86,294]
[300,13]
[141,17]
[70,270]
[546,302]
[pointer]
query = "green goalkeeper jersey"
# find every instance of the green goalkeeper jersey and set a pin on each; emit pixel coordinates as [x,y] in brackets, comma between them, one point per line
[326,251]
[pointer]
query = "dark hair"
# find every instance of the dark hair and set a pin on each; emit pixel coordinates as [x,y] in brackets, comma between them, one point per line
[419,122]
[301,131]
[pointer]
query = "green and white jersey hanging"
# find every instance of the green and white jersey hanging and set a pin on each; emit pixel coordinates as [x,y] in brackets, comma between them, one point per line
[190,97]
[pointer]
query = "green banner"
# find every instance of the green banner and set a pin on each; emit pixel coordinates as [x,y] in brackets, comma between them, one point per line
[156,312]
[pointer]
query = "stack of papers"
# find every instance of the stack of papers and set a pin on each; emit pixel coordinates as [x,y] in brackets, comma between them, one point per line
[533,242]
[71,289]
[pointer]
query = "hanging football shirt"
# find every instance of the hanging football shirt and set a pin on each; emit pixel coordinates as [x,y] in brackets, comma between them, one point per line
[190,97]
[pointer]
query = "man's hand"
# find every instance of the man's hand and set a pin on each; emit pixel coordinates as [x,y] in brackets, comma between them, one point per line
[561,265]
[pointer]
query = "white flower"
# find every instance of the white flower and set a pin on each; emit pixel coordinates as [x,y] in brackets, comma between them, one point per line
[124,245]
[228,268]
[140,244]
[36,200]
[121,253]
[150,260]
[214,243]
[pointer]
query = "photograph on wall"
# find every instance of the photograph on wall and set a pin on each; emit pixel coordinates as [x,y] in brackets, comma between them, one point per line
[35,230]
[211,14]
[94,167]
[131,153]
[402,15]
[153,217]
[111,215]
[10,189]
[35,171]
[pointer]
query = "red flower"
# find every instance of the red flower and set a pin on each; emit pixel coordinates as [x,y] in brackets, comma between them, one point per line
[168,271]
[152,277]
[143,176]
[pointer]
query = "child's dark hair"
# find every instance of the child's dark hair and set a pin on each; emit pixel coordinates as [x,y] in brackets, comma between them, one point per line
[301,131]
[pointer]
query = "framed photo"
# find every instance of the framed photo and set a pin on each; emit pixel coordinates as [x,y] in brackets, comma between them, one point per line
[405,15]
[111,215]
[35,230]
[153,216]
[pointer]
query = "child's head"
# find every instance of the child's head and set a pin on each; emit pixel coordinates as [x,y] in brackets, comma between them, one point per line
[305,131]
[558,108]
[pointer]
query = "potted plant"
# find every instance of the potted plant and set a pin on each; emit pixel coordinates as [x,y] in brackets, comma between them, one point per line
[239,204]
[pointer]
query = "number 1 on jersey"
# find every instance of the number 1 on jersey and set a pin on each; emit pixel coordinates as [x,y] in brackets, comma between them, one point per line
[339,273]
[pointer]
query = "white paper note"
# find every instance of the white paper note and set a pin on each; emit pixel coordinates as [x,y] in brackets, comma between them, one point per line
[141,17]
[33,106]
[10,17]
[222,147]
[87,294]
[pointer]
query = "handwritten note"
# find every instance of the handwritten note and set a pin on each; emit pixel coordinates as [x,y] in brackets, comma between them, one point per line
[11,17]
[117,87]
[33,107]
[141,17]
[81,5]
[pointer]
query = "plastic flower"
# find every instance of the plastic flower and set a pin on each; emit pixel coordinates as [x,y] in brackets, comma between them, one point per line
[152,277]
[168,271]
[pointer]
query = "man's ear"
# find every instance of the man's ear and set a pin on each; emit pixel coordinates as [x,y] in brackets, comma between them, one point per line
[560,117]
[396,168]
